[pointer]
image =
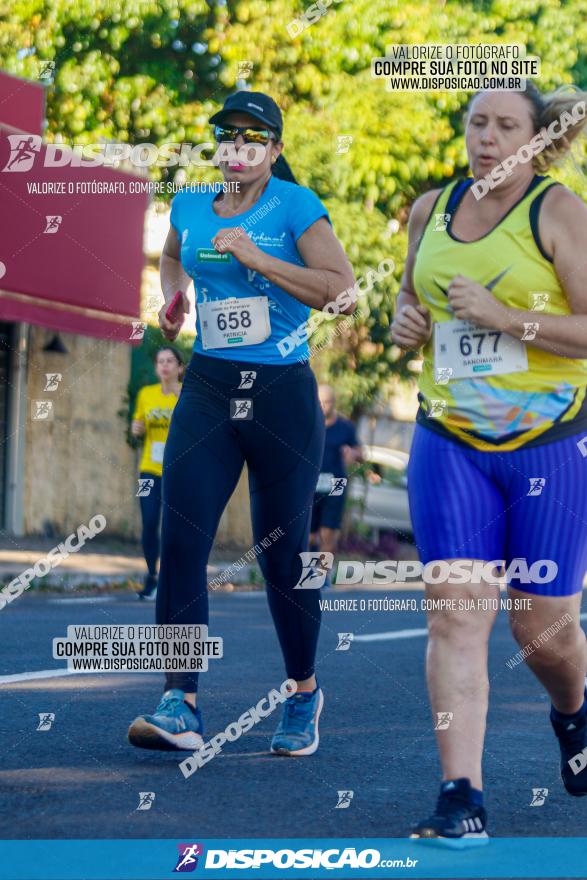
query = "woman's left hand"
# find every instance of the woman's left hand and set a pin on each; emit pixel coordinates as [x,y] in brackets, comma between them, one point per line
[237,242]
[473,302]
[137,427]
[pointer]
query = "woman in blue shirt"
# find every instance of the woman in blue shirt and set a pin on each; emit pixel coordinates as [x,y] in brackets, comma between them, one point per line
[261,258]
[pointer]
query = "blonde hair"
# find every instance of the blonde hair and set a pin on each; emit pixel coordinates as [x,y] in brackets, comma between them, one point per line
[545,109]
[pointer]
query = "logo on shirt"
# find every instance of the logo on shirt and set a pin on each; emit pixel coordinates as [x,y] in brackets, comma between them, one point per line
[268,240]
[258,281]
[209,255]
[490,284]
[159,417]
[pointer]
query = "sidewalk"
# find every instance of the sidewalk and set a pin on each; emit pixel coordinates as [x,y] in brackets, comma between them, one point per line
[115,564]
[118,565]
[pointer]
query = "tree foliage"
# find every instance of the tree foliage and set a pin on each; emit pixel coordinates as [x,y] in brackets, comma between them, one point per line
[154,70]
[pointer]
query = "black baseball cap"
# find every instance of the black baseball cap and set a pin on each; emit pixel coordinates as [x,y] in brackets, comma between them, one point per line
[256,104]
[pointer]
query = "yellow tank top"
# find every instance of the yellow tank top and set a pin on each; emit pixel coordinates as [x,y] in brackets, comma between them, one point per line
[155,409]
[499,412]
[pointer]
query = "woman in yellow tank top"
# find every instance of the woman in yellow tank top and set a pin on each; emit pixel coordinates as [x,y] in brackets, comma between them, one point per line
[151,419]
[494,290]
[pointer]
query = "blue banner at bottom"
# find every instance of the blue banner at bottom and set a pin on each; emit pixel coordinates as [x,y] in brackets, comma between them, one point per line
[272,858]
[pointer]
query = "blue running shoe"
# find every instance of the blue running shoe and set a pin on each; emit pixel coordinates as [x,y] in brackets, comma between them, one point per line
[297,732]
[174,726]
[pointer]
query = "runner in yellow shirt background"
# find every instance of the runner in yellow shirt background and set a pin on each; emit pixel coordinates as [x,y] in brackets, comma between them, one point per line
[152,415]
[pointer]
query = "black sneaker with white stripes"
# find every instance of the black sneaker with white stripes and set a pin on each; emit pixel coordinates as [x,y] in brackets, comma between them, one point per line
[456,821]
[572,738]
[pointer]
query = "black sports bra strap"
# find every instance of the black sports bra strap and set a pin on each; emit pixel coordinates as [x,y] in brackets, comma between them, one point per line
[535,206]
[457,194]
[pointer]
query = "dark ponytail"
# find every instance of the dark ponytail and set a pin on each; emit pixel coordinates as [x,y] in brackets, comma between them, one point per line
[281,170]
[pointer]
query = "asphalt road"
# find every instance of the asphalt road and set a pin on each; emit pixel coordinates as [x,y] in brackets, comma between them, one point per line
[81,778]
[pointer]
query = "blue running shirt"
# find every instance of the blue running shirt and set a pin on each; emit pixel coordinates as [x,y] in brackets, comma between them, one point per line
[275,223]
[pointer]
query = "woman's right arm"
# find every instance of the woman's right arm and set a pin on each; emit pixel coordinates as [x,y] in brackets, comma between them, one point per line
[173,278]
[412,327]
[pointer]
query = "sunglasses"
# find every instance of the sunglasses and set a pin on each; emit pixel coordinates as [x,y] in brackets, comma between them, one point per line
[250,134]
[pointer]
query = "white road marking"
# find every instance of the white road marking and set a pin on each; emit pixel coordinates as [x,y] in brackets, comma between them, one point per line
[368,637]
[82,600]
[406,634]
[30,676]
[388,636]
